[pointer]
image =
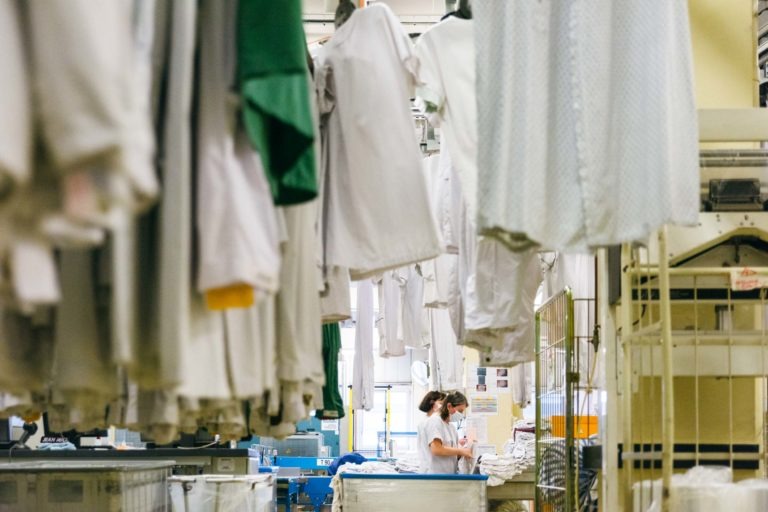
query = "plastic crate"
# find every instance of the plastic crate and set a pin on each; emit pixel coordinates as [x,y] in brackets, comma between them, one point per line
[583,426]
[413,493]
[77,486]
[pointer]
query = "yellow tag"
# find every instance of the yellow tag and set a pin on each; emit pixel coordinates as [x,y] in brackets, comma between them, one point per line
[229,297]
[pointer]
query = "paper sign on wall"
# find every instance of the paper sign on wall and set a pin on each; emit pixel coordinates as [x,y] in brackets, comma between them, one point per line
[744,279]
[489,380]
[484,404]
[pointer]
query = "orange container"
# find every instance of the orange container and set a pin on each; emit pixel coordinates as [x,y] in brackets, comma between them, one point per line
[583,426]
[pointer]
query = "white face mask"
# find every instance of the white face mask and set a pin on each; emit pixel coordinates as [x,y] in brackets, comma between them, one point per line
[437,406]
[457,417]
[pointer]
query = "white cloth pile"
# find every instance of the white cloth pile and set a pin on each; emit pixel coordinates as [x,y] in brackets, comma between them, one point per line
[408,463]
[372,467]
[500,468]
[519,455]
[523,448]
[703,489]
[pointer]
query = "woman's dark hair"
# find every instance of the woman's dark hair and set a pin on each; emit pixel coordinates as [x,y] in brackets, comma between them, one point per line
[455,399]
[429,400]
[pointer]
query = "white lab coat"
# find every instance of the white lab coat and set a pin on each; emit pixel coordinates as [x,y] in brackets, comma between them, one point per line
[377,208]
[238,240]
[575,151]
[362,371]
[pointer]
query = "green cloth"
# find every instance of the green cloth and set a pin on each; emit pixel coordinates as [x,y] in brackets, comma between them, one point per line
[274,84]
[333,405]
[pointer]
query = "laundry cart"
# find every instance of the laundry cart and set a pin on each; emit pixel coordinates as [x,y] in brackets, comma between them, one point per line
[566,402]
[223,493]
[412,493]
[63,486]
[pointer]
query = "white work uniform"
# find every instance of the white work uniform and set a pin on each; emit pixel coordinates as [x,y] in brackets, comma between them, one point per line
[436,428]
[15,101]
[238,240]
[377,208]
[175,270]
[335,302]
[447,354]
[92,91]
[422,444]
[446,75]
[497,286]
[415,322]
[389,319]
[362,371]
[575,152]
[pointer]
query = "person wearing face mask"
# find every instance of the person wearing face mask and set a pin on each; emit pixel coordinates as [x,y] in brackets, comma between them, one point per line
[430,404]
[442,437]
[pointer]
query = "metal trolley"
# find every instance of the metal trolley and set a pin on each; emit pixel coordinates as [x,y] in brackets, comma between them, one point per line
[566,420]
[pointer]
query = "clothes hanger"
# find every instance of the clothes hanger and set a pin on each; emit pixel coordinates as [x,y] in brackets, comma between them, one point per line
[343,12]
[464,11]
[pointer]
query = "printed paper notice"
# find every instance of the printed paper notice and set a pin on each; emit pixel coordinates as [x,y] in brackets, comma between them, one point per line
[476,428]
[745,279]
[330,425]
[485,404]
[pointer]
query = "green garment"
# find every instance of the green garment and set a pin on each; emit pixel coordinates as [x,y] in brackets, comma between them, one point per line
[333,406]
[274,84]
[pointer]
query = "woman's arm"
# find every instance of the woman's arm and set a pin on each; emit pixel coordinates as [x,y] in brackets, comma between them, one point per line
[437,448]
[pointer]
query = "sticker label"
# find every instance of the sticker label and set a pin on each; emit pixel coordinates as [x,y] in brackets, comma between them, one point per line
[225,464]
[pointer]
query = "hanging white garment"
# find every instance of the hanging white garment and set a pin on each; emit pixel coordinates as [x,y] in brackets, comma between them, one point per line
[377,208]
[236,219]
[335,301]
[299,327]
[15,102]
[511,348]
[252,349]
[443,201]
[204,353]
[83,370]
[34,277]
[451,201]
[90,83]
[164,238]
[362,371]
[446,75]
[174,279]
[491,277]
[438,279]
[520,383]
[448,354]
[390,315]
[122,248]
[575,150]
[26,347]
[502,288]
[415,322]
